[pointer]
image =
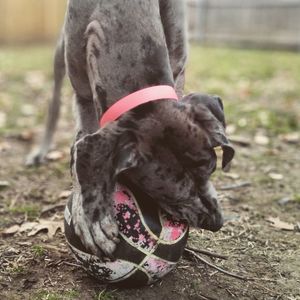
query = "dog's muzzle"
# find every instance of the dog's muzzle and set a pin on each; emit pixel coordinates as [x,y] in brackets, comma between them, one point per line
[213,223]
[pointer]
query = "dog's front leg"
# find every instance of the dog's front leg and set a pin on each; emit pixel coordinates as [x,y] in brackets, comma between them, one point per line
[93,187]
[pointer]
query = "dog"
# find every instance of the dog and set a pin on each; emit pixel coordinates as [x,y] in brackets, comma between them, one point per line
[111,49]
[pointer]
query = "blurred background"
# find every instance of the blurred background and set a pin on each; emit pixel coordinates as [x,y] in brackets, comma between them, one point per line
[246,51]
[30,21]
[256,23]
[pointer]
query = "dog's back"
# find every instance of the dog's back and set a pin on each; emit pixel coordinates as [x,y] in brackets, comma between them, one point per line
[125,49]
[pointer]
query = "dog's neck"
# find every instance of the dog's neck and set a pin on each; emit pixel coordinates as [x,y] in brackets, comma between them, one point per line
[140,97]
[145,71]
[125,57]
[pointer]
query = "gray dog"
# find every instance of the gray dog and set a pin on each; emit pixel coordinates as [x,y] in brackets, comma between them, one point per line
[111,49]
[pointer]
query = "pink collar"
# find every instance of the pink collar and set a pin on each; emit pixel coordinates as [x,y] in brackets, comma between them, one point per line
[135,99]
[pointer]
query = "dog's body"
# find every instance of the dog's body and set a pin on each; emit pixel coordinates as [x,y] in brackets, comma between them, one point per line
[111,49]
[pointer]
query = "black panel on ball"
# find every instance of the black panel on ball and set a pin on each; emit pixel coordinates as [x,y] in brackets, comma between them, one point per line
[137,279]
[172,252]
[147,205]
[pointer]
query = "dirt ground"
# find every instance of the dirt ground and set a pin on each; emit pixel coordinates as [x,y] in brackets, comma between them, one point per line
[261,96]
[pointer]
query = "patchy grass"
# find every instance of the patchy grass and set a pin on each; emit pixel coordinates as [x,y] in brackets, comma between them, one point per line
[105,295]
[38,250]
[14,61]
[260,89]
[32,211]
[46,295]
[297,197]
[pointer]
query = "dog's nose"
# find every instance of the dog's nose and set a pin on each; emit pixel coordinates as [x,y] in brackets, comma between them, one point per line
[213,222]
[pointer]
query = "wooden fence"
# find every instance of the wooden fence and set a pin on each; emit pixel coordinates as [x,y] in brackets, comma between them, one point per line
[254,23]
[263,23]
[24,21]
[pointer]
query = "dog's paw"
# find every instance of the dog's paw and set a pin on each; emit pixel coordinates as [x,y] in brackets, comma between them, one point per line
[97,231]
[105,234]
[35,158]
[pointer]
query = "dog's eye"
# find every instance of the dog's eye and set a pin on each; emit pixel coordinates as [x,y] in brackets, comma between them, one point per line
[200,163]
[194,163]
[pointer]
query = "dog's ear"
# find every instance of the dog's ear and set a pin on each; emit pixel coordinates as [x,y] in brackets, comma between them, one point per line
[209,113]
[100,157]
[213,103]
[217,136]
[228,154]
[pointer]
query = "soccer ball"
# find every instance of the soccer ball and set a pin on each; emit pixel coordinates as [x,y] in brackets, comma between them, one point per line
[151,241]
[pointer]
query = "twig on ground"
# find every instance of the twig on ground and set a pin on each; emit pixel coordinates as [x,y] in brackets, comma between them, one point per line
[71,264]
[235,186]
[208,253]
[54,248]
[215,267]
[50,208]
[205,297]
[193,253]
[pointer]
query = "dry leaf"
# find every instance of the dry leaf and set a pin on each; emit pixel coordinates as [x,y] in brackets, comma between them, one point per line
[242,122]
[4,184]
[26,135]
[65,194]
[35,227]
[232,175]
[261,140]
[35,79]
[277,223]
[20,228]
[55,155]
[51,226]
[28,110]
[230,129]
[12,230]
[27,226]
[4,146]
[292,138]
[276,176]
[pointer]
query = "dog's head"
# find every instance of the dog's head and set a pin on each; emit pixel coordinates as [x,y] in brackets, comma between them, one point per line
[180,182]
[207,112]
[172,171]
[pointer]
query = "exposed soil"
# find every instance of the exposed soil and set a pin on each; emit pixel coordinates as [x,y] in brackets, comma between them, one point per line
[267,160]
